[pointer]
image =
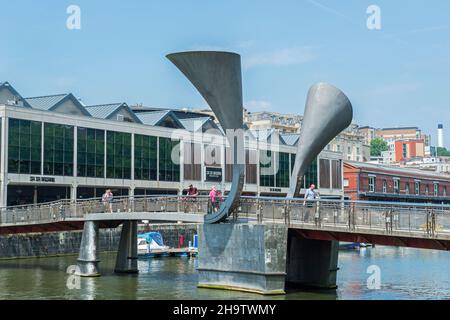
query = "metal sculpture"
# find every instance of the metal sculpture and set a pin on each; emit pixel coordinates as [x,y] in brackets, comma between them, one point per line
[328,111]
[217,76]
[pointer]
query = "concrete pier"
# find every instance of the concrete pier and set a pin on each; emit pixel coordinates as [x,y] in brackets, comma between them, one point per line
[244,257]
[311,263]
[127,255]
[263,258]
[88,259]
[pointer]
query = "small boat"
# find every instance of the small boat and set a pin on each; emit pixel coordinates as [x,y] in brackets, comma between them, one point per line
[353,245]
[151,244]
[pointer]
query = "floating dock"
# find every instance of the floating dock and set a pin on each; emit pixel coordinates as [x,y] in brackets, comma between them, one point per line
[170,252]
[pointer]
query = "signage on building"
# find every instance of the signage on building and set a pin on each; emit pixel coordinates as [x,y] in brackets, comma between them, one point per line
[42,179]
[213,174]
[275,189]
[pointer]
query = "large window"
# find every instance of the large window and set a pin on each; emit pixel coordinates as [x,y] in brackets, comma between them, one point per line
[336,173]
[145,157]
[266,168]
[169,168]
[372,181]
[417,187]
[396,185]
[118,155]
[436,189]
[250,167]
[310,176]
[24,146]
[282,170]
[90,153]
[58,149]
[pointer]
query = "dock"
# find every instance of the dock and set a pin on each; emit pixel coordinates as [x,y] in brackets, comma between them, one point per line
[169,252]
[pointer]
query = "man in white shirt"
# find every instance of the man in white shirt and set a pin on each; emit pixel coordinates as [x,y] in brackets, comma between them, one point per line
[310,194]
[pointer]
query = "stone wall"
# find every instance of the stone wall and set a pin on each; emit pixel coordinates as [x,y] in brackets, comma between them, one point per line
[61,243]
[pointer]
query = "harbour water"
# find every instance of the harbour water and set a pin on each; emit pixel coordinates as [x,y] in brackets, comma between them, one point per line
[405,274]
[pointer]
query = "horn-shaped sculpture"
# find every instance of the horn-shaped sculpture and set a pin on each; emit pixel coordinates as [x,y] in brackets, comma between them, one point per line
[217,76]
[328,111]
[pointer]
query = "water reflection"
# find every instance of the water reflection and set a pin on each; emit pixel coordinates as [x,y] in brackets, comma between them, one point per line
[405,274]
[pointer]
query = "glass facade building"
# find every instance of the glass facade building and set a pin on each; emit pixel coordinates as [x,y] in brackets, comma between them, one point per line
[118,155]
[58,149]
[24,146]
[79,156]
[90,152]
[145,157]
[169,167]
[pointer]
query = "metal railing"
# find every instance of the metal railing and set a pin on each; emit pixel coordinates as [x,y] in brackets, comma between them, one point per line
[409,219]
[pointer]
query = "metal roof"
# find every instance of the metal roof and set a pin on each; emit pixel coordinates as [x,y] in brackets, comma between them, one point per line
[152,118]
[290,139]
[103,111]
[6,84]
[196,124]
[46,102]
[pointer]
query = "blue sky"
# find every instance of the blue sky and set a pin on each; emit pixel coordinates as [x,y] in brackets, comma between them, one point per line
[399,75]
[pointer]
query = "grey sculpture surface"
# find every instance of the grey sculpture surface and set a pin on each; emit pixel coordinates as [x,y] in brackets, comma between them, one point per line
[217,76]
[328,111]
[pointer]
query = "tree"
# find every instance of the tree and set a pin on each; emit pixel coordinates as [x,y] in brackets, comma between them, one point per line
[443,152]
[377,146]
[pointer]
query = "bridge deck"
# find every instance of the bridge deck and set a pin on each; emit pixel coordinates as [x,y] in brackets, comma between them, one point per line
[415,225]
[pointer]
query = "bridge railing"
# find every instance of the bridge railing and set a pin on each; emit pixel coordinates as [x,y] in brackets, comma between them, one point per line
[63,210]
[352,216]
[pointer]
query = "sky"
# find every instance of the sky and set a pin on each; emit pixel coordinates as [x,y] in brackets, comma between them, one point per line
[398,75]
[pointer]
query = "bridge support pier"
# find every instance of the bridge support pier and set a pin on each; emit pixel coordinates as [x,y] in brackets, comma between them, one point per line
[263,258]
[243,257]
[311,263]
[87,258]
[127,255]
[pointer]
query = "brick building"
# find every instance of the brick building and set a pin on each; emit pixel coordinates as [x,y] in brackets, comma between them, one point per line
[364,181]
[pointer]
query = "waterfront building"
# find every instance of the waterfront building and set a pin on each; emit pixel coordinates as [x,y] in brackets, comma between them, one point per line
[56,147]
[375,182]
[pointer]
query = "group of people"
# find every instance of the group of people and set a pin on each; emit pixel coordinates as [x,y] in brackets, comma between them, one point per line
[215,198]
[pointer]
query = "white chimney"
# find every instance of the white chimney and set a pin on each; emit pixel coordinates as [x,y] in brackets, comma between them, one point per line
[440,138]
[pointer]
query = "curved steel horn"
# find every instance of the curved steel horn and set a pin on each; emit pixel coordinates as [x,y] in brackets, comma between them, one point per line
[217,76]
[328,111]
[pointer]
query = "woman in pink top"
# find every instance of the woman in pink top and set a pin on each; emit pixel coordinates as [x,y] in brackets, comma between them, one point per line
[213,198]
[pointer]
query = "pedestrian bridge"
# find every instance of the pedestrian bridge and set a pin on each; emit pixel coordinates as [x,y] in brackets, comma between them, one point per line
[400,224]
[265,243]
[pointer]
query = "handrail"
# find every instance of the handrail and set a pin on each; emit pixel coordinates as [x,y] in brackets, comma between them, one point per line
[116,198]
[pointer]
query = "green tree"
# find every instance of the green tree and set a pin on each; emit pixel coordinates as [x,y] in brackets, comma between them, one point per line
[377,146]
[443,152]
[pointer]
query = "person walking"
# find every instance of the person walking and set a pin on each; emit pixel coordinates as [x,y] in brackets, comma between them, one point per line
[107,200]
[192,194]
[213,198]
[310,196]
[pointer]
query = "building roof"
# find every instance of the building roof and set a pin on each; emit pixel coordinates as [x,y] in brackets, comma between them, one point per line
[196,124]
[107,111]
[156,118]
[290,139]
[51,102]
[46,102]
[400,128]
[396,170]
[6,84]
